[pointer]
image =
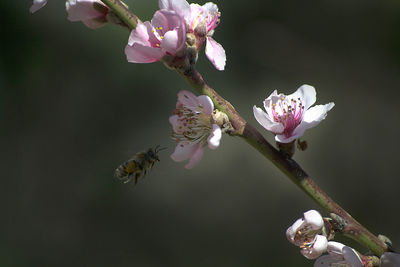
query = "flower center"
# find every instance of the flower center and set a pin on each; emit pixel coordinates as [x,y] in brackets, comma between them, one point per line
[211,20]
[159,33]
[194,125]
[289,114]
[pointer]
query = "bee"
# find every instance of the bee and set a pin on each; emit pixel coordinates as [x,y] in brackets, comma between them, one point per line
[138,165]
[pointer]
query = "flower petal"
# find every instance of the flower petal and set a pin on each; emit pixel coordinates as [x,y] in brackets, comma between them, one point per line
[183,151]
[314,219]
[215,53]
[351,257]
[335,249]
[174,120]
[79,10]
[317,113]
[207,104]
[37,4]
[265,120]
[167,20]
[307,95]
[181,7]
[292,230]
[329,261]
[390,259]
[312,118]
[141,34]
[138,53]
[215,137]
[170,42]
[281,138]
[319,247]
[94,23]
[188,99]
[196,157]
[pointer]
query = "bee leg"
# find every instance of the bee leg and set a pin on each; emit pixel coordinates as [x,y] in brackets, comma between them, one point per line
[137,176]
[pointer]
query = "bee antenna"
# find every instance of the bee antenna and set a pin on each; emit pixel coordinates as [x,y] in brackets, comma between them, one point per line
[159,148]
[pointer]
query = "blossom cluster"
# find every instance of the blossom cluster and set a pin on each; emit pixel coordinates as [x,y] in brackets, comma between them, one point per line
[164,37]
[309,234]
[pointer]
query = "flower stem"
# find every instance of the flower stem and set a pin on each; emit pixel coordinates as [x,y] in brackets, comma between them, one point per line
[122,11]
[288,166]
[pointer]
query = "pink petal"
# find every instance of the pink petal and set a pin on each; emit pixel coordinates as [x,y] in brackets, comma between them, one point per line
[138,53]
[183,151]
[265,121]
[206,102]
[193,19]
[196,157]
[215,53]
[83,10]
[37,4]
[188,99]
[166,19]
[170,42]
[174,120]
[179,6]
[143,34]
[215,137]
[94,23]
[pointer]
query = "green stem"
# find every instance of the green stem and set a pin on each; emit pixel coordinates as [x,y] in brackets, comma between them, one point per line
[288,166]
[123,12]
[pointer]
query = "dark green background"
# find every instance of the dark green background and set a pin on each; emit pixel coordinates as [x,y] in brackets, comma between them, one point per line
[72,109]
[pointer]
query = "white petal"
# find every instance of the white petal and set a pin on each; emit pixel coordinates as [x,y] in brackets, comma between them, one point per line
[390,259]
[307,95]
[312,118]
[281,138]
[265,120]
[206,102]
[313,219]
[37,4]
[351,256]
[183,151]
[319,247]
[335,249]
[329,261]
[317,113]
[215,137]
[215,53]
[196,157]
[292,230]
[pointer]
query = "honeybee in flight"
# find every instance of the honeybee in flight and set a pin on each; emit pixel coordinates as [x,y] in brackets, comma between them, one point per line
[138,165]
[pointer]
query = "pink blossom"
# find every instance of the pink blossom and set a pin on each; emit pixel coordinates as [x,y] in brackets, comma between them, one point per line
[201,21]
[165,35]
[91,12]
[37,4]
[288,117]
[193,127]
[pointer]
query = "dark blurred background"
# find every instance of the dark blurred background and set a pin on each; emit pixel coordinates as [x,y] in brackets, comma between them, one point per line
[72,109]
